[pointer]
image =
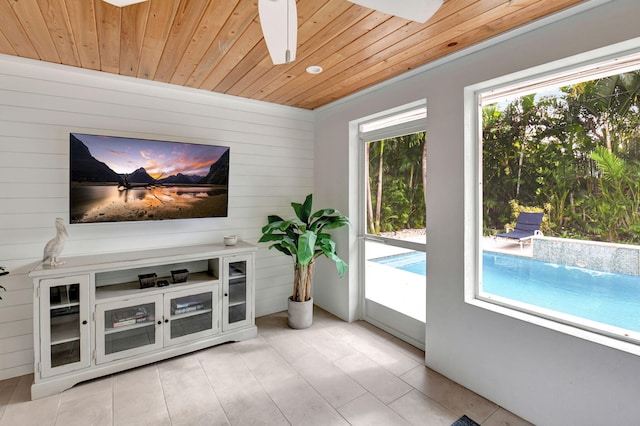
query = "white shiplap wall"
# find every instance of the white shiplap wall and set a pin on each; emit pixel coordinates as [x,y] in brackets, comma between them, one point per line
[272,149]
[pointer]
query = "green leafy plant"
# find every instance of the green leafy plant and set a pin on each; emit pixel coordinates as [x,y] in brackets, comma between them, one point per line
[303,238]
[582,158]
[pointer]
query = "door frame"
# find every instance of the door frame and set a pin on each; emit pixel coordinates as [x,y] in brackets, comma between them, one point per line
[398,324]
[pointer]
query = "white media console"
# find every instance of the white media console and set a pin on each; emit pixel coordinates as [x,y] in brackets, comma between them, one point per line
[92,316]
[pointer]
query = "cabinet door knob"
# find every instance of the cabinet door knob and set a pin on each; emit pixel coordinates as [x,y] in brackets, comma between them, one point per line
[166,320]
[159,322]
[226,294]
[84,322]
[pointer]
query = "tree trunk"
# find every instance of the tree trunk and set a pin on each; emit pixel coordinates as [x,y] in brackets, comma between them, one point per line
[607,133]
[302,277]
[520,161]
[370,223]
[379,196]
[424,172]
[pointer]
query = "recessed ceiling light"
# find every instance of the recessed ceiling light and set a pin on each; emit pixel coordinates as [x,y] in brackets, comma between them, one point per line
[314,69]
[123,3]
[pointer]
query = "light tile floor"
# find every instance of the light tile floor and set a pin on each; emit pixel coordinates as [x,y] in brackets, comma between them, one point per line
[333,373]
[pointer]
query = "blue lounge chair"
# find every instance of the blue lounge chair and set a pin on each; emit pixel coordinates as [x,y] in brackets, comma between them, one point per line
[527,227]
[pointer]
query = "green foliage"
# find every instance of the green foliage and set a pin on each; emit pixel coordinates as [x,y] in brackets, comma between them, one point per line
[402,203]
[302,237]
[575,152]
[615,211]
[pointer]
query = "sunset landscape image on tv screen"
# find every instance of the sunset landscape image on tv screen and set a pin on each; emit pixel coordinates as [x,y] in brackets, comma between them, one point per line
[115,179]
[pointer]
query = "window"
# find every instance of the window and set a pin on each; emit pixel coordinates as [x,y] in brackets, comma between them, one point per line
[561,144]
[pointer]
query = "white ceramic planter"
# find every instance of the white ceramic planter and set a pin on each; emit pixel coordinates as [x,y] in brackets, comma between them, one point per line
[300,314]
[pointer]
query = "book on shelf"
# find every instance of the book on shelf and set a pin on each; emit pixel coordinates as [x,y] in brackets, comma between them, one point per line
[129,317]
[189,308]
[186,303]
[124,322]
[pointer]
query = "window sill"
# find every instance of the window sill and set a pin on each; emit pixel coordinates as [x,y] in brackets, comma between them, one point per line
[511,309]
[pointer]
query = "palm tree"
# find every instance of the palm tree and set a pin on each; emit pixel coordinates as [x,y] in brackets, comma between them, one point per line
[604,105]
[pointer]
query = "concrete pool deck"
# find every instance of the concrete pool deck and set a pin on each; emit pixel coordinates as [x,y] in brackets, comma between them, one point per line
[505,246]
[405,292]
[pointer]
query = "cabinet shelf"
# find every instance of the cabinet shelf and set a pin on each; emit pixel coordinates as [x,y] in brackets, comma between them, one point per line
[236,269]
[65,332]
[237,293]
[190,314]
[132,288]
[112,330]
[237,302]
[63,305]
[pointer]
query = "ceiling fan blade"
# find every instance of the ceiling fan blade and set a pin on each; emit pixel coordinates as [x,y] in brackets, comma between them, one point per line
[279,22]
[413,10]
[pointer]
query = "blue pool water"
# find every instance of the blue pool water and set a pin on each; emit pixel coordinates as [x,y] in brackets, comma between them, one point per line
[607,298]
[414,261]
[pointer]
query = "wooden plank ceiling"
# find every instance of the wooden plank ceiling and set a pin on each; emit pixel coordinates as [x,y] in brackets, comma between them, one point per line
[217,45]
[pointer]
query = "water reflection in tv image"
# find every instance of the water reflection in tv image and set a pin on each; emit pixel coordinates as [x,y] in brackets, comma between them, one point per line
[115,179]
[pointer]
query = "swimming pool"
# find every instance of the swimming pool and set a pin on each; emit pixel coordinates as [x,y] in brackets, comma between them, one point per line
[607,298]
[414,261]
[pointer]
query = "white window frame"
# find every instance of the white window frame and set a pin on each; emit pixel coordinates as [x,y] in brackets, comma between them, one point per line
[500,88]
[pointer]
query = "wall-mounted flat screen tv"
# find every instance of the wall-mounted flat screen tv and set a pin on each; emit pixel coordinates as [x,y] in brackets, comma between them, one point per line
[117,179]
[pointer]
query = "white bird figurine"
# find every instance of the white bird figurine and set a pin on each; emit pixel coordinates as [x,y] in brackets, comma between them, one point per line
[54,247]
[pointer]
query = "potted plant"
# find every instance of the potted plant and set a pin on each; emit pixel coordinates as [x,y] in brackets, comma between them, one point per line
[304,239]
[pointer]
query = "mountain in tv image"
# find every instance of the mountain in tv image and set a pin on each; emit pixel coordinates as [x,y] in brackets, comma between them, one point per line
[85,168]
[117,179]
[181,179]
[138,176]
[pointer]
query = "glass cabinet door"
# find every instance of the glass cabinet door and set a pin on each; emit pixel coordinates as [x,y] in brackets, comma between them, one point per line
[65,344]
[128,328]
[237,302]
[190,314]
